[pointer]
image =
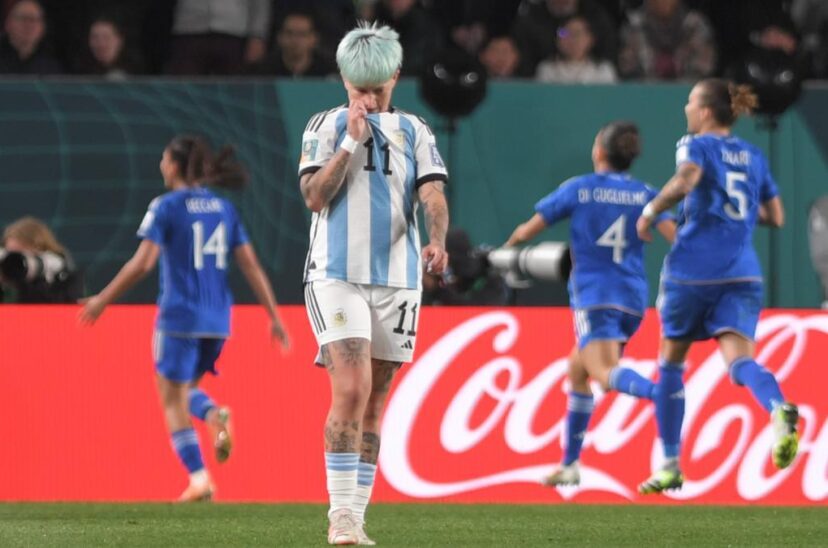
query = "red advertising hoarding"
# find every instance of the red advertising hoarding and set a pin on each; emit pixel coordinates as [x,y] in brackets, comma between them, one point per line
[478,416]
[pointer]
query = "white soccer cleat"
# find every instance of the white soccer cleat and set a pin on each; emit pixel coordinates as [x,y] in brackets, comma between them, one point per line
[362,538]
[343,528]
[566,474]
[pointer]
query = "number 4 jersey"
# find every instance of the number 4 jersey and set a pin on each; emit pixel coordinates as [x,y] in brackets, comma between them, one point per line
[714,242]
[368,233]
[196,231]
[607,255]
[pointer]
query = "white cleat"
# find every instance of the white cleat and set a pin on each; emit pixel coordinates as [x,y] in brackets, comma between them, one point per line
[362,538]
[343,528]
[566,474]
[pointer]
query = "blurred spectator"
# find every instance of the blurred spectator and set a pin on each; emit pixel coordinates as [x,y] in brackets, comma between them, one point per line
[218,36]
[469,24]
[737,25]
[420,35]
[469,280]
[811,18]
[296,53]
[538,21]
[501,58]
[664,40]
[575,63]
[69,23]
[35,267]
[108,54]
[22,47]
[332,18]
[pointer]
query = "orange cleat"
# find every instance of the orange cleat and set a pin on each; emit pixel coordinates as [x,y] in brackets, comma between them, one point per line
[198,493]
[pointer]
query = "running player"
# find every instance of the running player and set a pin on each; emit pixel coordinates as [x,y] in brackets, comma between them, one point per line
[608,285]
[711,282]
[192,230]
[364,169]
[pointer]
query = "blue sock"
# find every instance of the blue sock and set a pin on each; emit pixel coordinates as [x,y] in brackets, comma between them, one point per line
[579,410]
[200,403]
[185,443]
[668,396]
[629,382]
[760,381]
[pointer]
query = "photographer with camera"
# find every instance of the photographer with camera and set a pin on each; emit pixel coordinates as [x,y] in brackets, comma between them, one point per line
[469,279]
[35,267]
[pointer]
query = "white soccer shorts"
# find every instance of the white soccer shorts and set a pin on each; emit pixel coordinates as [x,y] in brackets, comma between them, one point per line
[386,316]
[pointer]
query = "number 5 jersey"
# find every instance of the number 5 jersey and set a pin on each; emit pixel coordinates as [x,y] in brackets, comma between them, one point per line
[714,241]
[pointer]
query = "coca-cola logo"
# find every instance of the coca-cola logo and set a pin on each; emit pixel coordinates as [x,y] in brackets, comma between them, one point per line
[734,431]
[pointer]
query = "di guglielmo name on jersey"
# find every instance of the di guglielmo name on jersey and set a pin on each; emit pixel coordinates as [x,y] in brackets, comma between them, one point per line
[477,403]
[617,196]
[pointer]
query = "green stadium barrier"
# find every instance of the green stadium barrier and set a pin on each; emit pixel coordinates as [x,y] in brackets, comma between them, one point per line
[84,157]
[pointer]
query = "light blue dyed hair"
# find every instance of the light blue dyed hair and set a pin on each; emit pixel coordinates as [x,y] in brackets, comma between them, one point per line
[369,55]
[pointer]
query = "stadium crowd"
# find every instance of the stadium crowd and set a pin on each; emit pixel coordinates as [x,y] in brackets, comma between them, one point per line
[561,41]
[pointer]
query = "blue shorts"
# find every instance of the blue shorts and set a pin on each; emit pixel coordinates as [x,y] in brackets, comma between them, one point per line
[184,359]
[604,324]
[699,312]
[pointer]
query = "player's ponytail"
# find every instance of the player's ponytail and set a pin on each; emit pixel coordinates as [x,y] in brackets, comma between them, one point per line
[199,165]
[727,100]
[622,143]
[743,101]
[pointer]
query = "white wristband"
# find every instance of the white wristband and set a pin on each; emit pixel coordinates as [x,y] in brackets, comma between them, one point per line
[349,143]
[649,212]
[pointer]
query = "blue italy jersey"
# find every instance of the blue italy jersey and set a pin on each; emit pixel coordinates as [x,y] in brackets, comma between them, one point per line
[196,231]
[607,255]
[714,242]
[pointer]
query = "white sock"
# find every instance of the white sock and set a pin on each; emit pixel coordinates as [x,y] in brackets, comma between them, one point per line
[341,470]
[199,477]
[365,484]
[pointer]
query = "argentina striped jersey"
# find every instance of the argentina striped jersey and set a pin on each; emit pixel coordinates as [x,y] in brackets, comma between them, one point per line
[368,233]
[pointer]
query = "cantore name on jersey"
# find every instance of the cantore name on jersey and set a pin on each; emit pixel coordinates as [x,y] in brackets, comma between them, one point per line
[607,255]
[720,214]
[368,233]
[196,230]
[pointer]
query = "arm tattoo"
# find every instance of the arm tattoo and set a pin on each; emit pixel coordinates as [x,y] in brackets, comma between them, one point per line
[679,186]
[436,211]
[328,188]
[327,181]
[370,448]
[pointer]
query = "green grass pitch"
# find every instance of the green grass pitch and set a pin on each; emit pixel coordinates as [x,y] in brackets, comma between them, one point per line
[169,525]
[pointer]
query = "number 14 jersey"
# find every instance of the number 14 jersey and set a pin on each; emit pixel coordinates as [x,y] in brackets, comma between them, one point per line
[197,231]
[714,241]
[368,233]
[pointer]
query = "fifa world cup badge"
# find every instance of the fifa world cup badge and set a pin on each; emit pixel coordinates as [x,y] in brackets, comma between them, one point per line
[309,150]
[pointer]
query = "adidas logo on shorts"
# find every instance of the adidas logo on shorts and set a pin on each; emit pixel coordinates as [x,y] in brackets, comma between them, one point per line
[407,345]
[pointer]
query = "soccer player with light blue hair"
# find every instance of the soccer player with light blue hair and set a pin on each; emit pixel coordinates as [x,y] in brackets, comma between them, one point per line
[365,169]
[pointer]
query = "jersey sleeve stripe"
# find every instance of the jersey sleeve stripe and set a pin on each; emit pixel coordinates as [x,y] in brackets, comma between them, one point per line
[309,169]
[430,177]
[311,122]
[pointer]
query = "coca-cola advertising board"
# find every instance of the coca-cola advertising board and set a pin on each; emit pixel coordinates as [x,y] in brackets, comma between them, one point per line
[477,417]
